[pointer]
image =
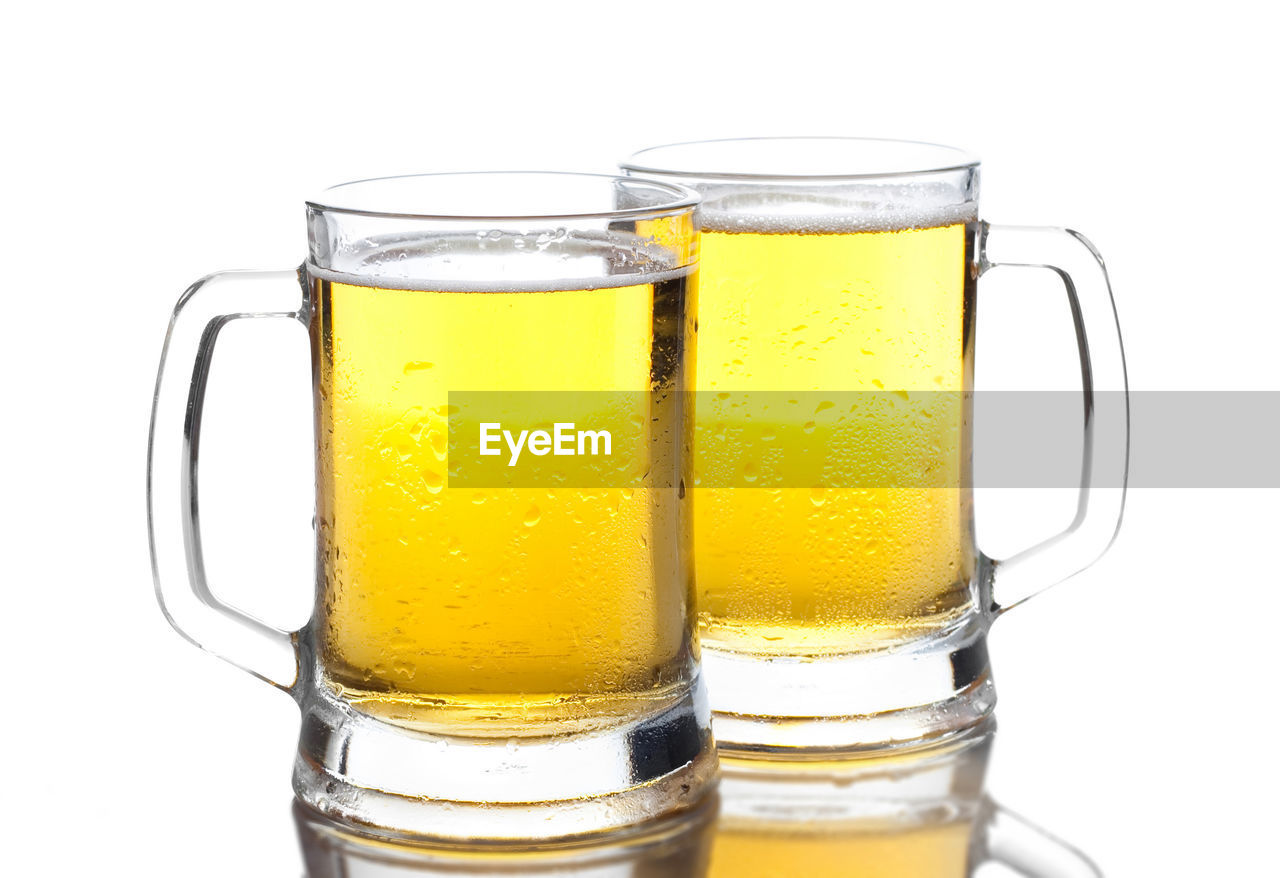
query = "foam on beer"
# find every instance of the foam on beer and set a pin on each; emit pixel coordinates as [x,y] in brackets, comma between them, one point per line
[501,263]
[857,207]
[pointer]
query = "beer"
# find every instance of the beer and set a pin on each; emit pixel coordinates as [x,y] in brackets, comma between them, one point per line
[815,332]
[496,610]
[829,849]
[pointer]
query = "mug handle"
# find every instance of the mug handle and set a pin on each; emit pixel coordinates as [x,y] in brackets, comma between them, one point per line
[1105,466]
[173,519]
[1028,849]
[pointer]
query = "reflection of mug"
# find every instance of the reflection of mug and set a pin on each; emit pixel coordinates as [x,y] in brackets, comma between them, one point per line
[922,814]
[504,645]
[670,847]
[843,600]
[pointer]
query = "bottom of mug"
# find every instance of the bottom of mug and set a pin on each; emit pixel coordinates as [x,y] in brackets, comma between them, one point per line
[916,694]
[397,783]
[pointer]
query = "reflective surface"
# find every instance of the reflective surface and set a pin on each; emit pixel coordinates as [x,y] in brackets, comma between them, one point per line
[1135,702]
[924,814]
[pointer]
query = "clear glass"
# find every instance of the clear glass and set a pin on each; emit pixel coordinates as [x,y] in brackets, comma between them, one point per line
[514,660]
[924,814]
[843,600]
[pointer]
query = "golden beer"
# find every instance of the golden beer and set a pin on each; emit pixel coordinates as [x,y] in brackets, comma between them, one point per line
[855,342]
[498,610]
[829,849]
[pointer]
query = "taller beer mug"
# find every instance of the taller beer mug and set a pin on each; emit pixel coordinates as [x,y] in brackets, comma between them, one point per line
[844,602]
[497,661]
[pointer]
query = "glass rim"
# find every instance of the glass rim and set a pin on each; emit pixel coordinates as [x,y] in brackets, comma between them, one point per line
[682,198]
[961,160]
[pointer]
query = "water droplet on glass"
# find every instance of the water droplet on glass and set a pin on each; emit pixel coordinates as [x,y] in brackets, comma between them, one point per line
[433,480]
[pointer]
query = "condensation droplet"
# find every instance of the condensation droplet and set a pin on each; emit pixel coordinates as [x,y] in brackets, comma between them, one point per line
[433,480]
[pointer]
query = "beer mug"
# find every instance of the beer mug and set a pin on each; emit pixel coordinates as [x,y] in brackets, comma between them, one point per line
[507,660]
[843,601]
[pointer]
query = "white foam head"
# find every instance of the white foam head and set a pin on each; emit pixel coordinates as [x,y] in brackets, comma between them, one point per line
[833,209]
[818,184]
[494,261]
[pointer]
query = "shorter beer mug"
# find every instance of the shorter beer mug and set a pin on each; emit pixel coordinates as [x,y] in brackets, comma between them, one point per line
[495,658]
[844,602]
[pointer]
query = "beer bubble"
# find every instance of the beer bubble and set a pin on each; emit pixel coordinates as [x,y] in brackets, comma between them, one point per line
[532,516]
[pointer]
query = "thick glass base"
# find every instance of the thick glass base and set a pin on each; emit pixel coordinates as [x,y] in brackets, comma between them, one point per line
[399,783]
[914,694]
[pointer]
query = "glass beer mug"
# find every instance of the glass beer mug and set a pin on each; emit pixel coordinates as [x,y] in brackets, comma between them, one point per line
[843,600]
[500,661]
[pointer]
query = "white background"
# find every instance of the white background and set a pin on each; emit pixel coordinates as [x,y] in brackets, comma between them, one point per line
[147,144]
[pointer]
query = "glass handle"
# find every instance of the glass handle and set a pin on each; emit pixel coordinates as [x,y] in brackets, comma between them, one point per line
[173,517]
[1105,467]
[1029,850]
